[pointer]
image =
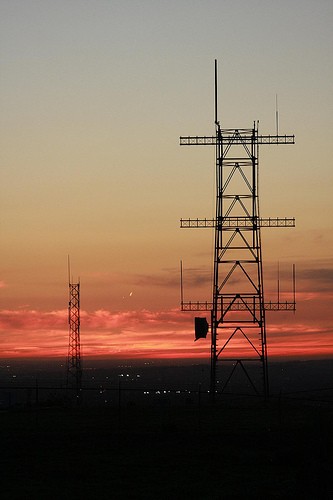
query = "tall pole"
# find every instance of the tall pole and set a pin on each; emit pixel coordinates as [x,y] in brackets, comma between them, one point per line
[215,100]
[218,213]
[181,283]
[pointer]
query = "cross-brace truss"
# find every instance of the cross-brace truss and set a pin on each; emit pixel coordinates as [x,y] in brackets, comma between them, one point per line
[238,321]
[74,369]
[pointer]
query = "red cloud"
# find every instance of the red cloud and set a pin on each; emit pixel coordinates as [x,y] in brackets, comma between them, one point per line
[145,333]
[32,332]
[32,320]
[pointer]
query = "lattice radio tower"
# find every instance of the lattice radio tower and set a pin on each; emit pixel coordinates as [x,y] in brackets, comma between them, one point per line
[74,368]
[238,306]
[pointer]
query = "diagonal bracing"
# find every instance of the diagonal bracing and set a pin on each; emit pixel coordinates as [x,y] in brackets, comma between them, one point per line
[237,305]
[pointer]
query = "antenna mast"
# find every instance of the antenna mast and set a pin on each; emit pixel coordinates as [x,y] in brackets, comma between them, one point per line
[216,122]
[181,284]
[276,115]
[238,309]
[74,368]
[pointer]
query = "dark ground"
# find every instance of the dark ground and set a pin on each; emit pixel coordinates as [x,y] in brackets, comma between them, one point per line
[231,450]
[158,437]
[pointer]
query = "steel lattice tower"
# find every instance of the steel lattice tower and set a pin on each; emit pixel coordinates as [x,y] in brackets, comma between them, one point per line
[74,369]
[238,306]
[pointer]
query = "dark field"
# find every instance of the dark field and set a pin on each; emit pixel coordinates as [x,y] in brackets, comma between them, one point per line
[232,450]
[157,436]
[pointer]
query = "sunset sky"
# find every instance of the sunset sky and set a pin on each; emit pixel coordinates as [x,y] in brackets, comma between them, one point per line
[94,97]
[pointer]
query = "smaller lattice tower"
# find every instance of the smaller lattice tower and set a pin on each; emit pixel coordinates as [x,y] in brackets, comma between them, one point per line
[74,368]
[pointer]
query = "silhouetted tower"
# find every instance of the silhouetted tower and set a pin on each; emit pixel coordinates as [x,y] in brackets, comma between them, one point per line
[238,323]
[74,369]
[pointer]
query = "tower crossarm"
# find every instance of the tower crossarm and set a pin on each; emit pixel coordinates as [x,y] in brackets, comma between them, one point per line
[237,306]
[235,139]
[239,222]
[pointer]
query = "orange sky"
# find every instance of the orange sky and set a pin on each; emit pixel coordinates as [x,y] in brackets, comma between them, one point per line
[163,333]
[93,102]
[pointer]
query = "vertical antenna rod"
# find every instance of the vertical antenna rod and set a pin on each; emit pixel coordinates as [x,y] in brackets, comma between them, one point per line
[294,287]
[216,121]
[276,115]
[181,285]
[278,283]
[69,270]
